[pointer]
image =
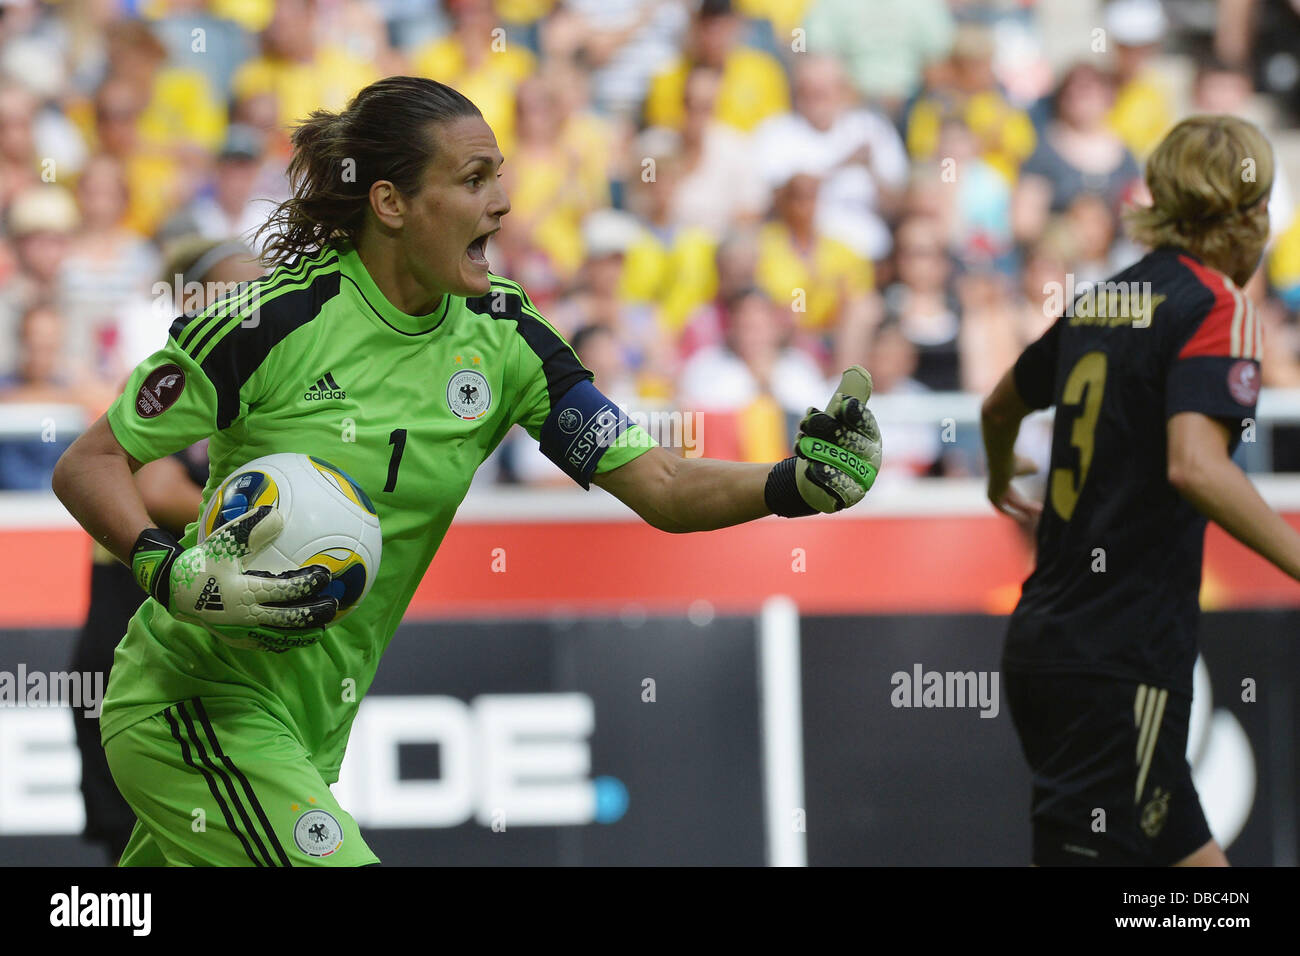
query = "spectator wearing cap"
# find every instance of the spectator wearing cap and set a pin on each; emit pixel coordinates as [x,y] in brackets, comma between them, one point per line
[856,152]
[1143,110]
[229,207]
[41,222]
[486,67]
[752,87]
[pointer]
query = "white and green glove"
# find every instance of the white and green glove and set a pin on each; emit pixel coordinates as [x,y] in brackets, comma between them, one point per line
[837,454]
[209,584]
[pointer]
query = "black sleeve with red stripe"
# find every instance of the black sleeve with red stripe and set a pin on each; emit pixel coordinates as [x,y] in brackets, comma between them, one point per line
[1215,368]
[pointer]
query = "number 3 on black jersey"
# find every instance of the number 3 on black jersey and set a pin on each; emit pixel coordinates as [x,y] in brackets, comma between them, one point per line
[1083,390]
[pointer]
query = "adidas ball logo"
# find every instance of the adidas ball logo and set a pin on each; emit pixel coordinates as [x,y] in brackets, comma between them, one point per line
[325,387]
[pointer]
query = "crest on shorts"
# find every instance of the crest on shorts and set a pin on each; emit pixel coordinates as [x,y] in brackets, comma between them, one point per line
[1155,813]
[317,833]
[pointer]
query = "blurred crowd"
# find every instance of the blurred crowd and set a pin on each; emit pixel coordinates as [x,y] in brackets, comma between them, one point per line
[722,203]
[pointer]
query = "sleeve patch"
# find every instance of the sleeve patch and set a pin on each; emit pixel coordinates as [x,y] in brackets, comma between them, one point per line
[1244,381]
[582,426]
[159,390]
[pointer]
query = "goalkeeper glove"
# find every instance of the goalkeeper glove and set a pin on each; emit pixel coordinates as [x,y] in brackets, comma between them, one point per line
[837,454]
[210,585]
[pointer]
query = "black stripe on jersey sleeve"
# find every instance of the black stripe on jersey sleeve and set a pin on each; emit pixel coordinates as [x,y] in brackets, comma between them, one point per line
[243,348]
[559,363]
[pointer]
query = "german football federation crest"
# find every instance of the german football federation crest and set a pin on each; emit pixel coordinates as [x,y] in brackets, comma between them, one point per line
[468,394]
[1155,813]
[317,833]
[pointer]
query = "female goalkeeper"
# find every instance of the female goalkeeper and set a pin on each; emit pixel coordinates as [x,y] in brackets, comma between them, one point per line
[382,289]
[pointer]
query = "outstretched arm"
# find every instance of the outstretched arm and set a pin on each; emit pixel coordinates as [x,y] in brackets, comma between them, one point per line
[688,494]
[837,456]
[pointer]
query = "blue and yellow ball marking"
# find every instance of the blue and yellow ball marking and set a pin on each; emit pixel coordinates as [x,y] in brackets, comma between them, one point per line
[240,494]
[348,571]
[344,483]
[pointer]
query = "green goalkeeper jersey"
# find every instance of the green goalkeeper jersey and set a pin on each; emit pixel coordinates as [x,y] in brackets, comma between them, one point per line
[313,359]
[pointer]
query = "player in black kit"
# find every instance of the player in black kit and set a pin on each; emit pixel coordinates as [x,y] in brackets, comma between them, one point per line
[1154,375]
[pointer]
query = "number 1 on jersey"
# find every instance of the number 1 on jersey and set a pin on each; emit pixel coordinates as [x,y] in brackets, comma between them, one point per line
[398,440]
[1083,387]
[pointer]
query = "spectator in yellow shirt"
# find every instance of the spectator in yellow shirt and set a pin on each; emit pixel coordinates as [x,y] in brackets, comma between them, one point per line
[1284,265]
[523,12]
[161,123]
[1143,110]
[179,107]
[670,266]
[480,59]
[785,15]
[544,181]
[815,276]
[964,88]
[299,73]
[156,183]
[753,84]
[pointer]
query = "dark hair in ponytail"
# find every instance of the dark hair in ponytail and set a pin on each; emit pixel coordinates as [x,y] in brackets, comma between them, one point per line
[384,133]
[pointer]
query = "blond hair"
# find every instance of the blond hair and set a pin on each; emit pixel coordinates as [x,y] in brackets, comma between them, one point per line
[1208,178]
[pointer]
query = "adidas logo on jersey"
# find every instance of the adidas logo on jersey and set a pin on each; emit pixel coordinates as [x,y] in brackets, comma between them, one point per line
[324,387]
[210,597]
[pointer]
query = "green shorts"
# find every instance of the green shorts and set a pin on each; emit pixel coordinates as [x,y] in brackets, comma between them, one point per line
[218,781]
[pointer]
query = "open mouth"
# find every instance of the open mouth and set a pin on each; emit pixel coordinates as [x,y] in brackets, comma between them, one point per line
[477,250]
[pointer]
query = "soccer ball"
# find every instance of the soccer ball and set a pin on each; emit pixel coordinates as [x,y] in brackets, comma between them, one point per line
[328,520]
